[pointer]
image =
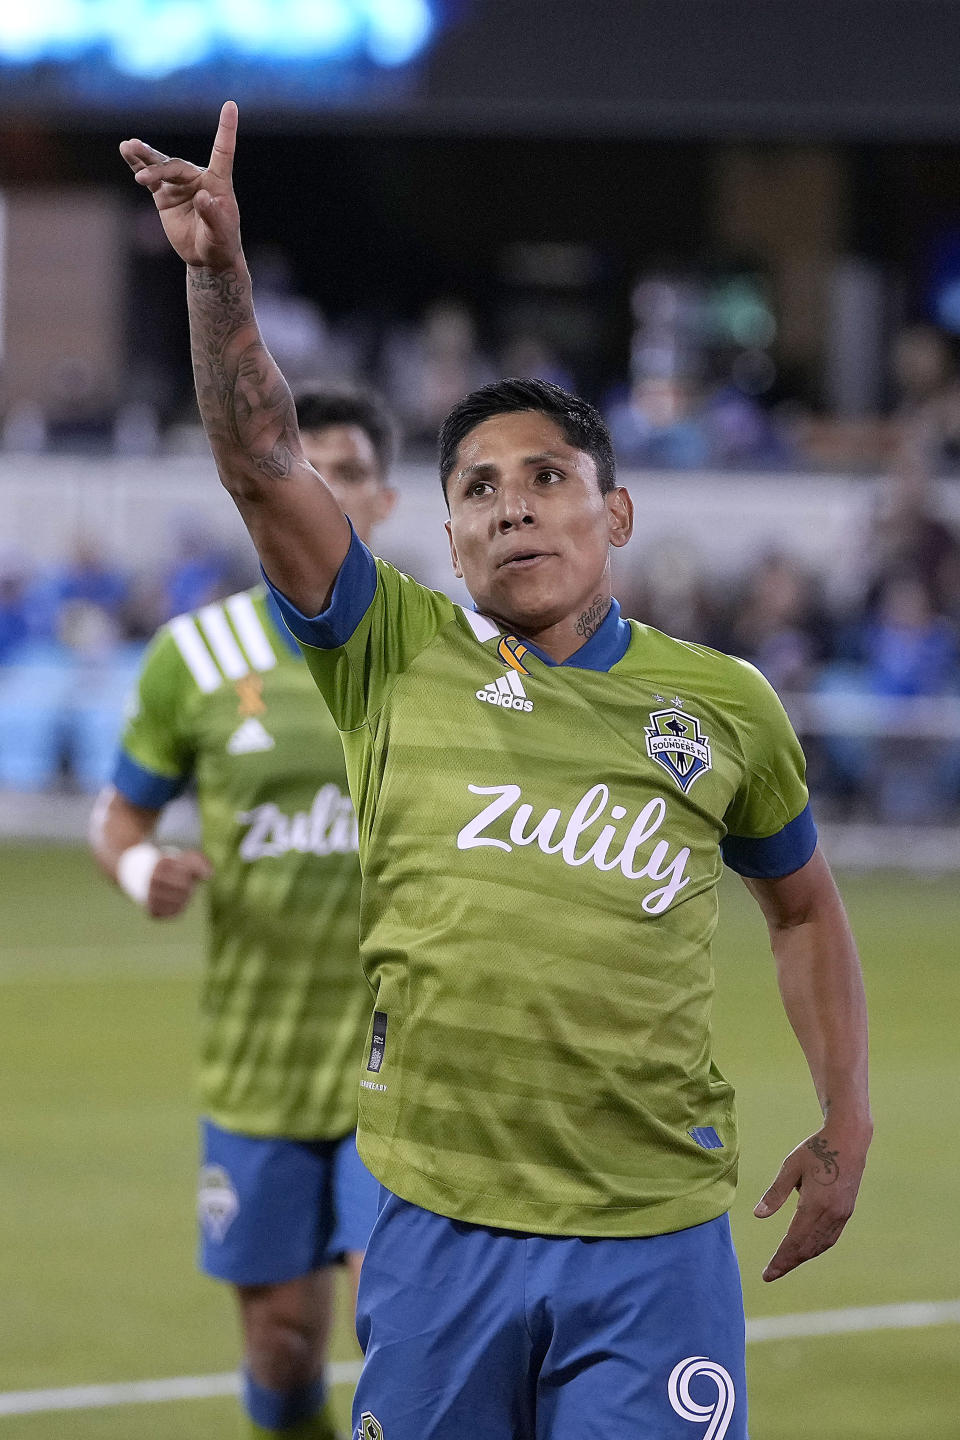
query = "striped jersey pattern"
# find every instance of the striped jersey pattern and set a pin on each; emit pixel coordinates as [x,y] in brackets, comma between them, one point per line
[540,896]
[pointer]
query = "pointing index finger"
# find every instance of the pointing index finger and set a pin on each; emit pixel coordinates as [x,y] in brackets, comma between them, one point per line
[225,143]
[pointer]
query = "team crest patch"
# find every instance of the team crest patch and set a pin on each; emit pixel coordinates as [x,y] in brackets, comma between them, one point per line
[217,1202]
[369,1427]
[675,741]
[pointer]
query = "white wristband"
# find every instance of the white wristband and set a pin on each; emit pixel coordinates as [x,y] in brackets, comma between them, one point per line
[135,869]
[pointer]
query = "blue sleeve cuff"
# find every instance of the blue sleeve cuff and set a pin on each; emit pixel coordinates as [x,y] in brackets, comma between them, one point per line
[145,787]
[775,855]
[353,592]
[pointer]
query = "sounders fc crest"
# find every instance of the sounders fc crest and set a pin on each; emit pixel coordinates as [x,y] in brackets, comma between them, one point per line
[675,742]
[217,1202]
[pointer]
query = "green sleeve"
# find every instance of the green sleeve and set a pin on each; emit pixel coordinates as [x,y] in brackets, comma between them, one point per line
[356,677]
[773,790]
[157,737]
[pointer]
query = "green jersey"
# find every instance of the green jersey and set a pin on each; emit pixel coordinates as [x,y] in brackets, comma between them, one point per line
[225,698]
[541,846]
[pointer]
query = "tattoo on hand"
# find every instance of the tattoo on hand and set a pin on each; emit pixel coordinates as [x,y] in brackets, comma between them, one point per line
[590,620]
[829,1172]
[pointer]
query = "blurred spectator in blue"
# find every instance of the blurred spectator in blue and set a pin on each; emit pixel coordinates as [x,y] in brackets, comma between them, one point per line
[740,431]
[87,578]
[908,648]
[14,621]
[659,424]
[62,687]
[901,649]
[699,365]
[910,651]
[670,423]
[202,571]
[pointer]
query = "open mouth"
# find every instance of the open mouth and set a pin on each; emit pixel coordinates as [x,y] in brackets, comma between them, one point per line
[524,559]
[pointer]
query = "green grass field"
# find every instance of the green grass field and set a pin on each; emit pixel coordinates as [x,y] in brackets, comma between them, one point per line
[97,1029]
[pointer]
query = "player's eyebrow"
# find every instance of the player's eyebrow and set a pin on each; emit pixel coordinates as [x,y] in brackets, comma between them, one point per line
[483,468]
[539,459]
[479,470]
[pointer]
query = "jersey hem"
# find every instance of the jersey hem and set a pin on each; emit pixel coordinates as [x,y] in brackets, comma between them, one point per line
[660,1219]
[262,1130]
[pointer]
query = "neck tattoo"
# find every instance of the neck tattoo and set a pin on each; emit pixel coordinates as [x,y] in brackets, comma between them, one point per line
[590,620]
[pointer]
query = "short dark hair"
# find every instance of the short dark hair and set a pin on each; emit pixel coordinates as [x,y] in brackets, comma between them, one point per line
[319,407]
[581,424]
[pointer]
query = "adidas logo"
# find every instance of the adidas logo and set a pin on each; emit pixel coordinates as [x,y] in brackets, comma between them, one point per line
[249,737]
[506,691]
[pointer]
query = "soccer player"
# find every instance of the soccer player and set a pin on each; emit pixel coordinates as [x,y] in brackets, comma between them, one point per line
[225,698]
[545,794]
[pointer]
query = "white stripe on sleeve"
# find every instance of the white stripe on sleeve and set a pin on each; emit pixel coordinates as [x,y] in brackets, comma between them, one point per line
[249,628]
[195,654]
[221,640]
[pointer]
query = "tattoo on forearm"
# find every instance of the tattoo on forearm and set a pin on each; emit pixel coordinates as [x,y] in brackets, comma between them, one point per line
[590,620]
[829,1171]
[245,403]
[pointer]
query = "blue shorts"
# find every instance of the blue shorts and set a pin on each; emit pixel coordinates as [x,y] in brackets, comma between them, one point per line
[274,1209]
[468,1331]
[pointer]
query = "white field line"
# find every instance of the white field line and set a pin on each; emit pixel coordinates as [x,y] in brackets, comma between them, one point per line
[145,1392]
[910,1316]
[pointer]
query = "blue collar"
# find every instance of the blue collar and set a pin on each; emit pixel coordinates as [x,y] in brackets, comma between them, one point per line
[606,645]
[276,615]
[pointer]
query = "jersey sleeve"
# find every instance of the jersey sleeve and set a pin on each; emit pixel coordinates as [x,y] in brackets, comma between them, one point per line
[156,754]
[770,829]
[376,624]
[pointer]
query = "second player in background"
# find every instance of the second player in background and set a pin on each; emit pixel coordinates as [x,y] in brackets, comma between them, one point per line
[225,699]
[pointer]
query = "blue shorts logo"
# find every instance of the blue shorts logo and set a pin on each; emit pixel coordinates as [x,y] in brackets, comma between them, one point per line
[369,1427]
[674,740]
[217,1202]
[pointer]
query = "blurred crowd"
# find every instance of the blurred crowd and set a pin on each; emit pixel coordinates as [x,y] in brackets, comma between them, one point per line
[700,390]
[682,405]
[691,377]
[872,679]
[71,637]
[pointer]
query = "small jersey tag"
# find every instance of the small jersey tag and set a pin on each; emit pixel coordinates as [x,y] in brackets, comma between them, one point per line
[706,1137]
[378,1040]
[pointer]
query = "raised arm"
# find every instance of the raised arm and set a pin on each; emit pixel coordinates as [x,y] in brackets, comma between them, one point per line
[300,532]
[818,972]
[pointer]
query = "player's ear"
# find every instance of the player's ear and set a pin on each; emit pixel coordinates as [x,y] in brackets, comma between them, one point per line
[454,558]
[386,501]
[619,515]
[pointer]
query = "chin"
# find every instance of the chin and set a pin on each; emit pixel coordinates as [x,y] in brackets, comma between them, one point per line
[524,612]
